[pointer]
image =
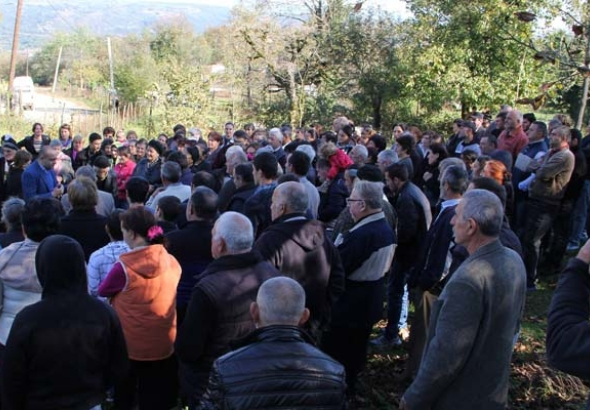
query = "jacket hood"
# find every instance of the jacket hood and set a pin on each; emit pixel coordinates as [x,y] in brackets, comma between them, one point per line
[308,234]
[61,266]
[148,261]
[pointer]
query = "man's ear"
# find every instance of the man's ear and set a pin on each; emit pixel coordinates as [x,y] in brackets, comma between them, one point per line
[255,312]
[304,317]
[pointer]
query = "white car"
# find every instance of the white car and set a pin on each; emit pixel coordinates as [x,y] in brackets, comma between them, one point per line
[23,91]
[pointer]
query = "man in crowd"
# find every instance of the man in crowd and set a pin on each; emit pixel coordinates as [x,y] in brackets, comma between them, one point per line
[234,156]
[469,142]
[366,252]
[106,179]
[39,178]
[275,139]
[170,174]
[278,358]
[257,207]
[294,244]
[218,312]
[414,218]
[434,263]
[299,164]
[552,174]
[513,139]
[466,362]
[488,144]
[191,245]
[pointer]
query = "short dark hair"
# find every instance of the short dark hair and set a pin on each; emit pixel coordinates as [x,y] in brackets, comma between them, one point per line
[502,115]
[399,171]
[469,156]
[137,189]
[94,137]
[379,142]
[267,163]
[240,134]
[41,218]
[287,178]
[204,202]
[300,162]
[108,130]
[170,207]
[407,143]
[329,136]
[530,117]
[245,172]
[179,158]
[204,178]
[348,130]
[457,179]
[102,162]
[370,173]
[114,224]
[491,185]
[439,149]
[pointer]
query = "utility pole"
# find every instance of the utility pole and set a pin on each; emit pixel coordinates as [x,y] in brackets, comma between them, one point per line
[56,70]
[19,9]
[112,74]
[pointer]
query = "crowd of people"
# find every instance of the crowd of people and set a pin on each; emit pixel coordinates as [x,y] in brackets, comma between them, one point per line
[248,269]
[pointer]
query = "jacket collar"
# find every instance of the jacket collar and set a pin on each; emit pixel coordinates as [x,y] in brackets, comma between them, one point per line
[274,333]
[232,262]
[295,216]
[367,220]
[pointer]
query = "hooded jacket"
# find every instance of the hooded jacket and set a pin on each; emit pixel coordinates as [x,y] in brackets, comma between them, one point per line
[299,249]
[147,304]
[65,351]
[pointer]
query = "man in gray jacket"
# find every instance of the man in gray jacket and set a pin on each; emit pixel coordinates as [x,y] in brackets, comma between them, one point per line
[466,361]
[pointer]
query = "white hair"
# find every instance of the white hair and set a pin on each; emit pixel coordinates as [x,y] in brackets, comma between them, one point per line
[236,231]
[277,133]
[370,192]
[236,150]
[308,150]
[360,150]
[388,155]
[281,301]
[266,148]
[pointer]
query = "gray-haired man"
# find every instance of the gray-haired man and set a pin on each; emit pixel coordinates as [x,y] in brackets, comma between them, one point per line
[466,362]
[220,302]
[278,366]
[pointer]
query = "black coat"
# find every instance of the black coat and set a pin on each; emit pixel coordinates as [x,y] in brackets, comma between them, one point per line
[299,249]
[239,198]
[67,350]
[218,313]
[257,209]
[151,172]
[88,228]
[109,184]
[81,157]
[568,329]
[277,367]
[29,145]
[14,185]
[333,201]
[191,246]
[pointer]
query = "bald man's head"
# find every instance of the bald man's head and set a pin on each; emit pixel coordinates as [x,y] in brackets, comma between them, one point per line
[288,198]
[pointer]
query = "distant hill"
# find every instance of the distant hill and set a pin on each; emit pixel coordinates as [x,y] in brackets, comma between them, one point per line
[42,18]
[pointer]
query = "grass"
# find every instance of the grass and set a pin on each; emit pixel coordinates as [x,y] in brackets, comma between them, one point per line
[533,384]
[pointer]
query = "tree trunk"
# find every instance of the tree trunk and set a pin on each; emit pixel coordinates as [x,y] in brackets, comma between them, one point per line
[584,97]
[377,102]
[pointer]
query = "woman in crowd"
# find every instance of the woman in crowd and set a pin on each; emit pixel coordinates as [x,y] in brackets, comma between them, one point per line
[14,186]
[142,286]
[82,222]
[76,152]
[65,136]
[9,151]
[497,171]
[33,143]
[67,350]
[215,145]
[430,178]
[21,287]
[149,167]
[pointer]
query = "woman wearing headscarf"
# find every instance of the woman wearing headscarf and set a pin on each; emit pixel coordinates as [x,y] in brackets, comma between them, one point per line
[142,286]
[67,350]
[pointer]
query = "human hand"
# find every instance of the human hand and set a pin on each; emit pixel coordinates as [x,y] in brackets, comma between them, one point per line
[58,191]
[584,252]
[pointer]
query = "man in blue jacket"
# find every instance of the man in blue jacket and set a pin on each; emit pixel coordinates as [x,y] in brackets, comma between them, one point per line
[39,179]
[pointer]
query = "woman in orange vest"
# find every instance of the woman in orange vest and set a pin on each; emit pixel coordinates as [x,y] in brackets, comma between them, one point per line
[142,287]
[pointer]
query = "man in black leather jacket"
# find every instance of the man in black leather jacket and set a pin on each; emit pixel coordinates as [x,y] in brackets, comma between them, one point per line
[278,366]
